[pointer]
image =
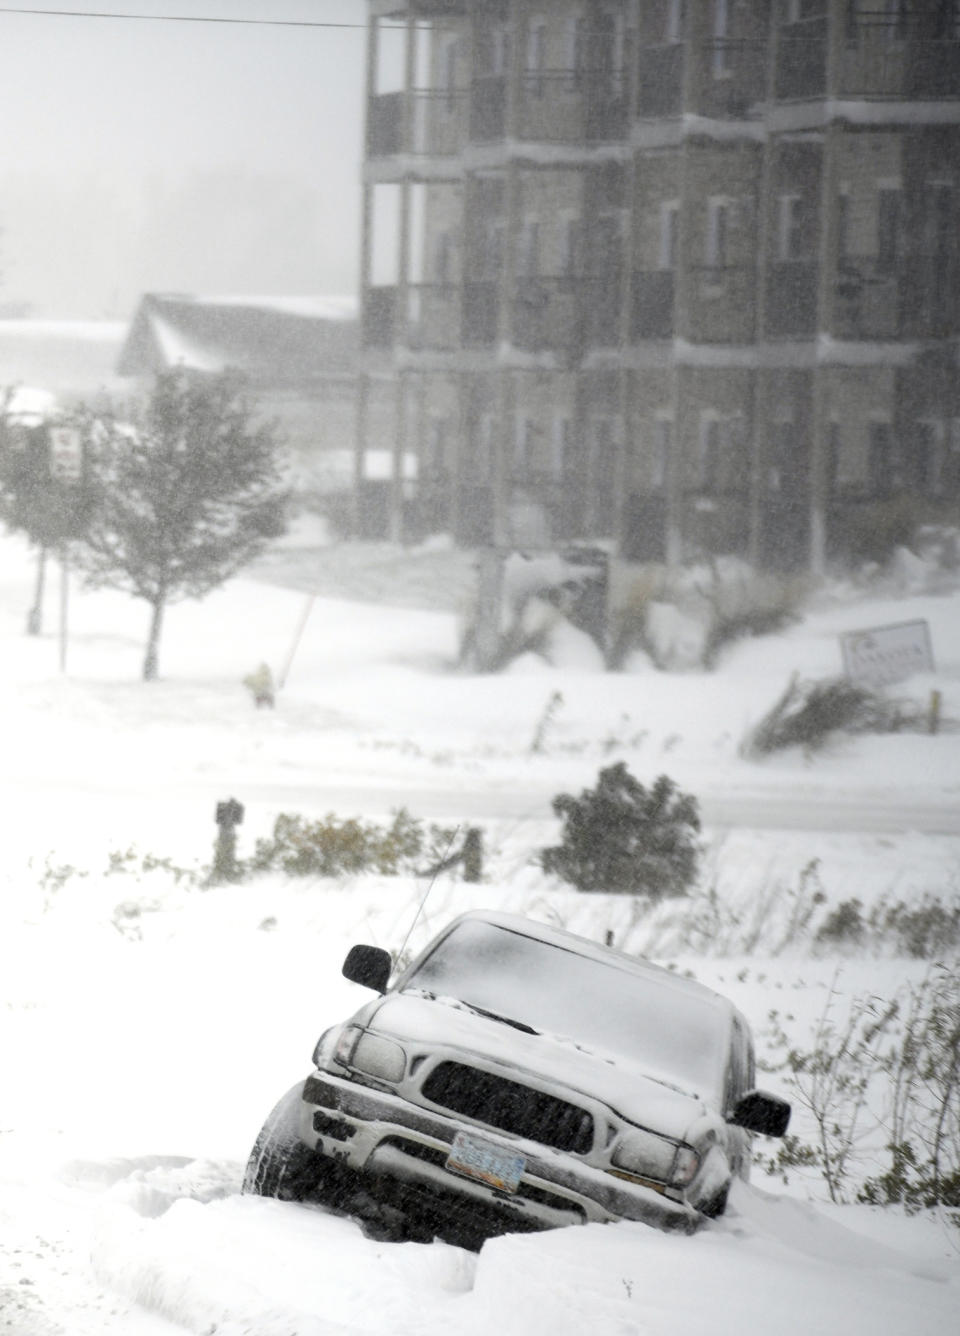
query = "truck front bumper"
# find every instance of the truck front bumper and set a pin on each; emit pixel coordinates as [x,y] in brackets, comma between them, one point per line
[384,1137]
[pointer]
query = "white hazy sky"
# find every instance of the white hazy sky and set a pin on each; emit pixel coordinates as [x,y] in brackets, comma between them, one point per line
[139,154]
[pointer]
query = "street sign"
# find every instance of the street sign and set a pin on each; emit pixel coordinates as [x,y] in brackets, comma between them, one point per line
[884,654]
[66,454]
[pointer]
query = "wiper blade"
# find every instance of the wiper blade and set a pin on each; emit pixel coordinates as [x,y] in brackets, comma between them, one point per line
[504,1020]
[471,1006]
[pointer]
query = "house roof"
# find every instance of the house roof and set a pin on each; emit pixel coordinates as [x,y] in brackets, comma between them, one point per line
[274,340]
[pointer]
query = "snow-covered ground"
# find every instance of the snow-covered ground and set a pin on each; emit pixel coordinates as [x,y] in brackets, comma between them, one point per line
[148,1025]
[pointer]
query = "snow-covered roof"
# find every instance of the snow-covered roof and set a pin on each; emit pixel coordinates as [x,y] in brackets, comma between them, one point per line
[29,405]
[279,341]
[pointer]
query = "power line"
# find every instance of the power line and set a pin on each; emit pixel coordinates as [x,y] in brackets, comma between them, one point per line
[178,18]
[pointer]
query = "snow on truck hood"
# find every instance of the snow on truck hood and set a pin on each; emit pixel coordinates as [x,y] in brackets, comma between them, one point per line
[421,1022]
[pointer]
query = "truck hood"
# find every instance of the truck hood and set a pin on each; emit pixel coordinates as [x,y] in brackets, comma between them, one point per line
[424,1025]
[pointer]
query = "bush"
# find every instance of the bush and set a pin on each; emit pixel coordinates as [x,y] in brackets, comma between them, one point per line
[331,847]
[809,712]
[887,1072]
[621,836]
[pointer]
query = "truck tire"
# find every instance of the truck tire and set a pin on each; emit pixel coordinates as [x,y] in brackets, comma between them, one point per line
[280,1165]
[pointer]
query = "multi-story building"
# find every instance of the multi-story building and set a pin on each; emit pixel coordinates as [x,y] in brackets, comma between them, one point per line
[680,276]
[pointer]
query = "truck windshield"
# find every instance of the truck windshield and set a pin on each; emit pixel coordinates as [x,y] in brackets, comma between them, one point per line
[660,1024]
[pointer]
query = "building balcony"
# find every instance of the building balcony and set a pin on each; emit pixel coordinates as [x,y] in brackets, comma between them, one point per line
[920,299]
[791,298]
[552,106]
[721,302]
[899,59]
[866,300]
[651,304]
[733,78]
[425,123]
[480,314]
[660,80]
[801,60]
[488,109]
[433,317]
[379,317]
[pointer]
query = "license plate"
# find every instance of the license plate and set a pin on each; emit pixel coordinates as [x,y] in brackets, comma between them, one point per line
[479,1159]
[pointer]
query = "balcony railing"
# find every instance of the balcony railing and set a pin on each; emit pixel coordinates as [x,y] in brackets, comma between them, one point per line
[866,300]
[722,298]
[919,299]
[437,126]
[651,304]
[899,59]
[488,109]
[735,77]
[660,80]
[801,60]
[433,316]
[791,298]
[553,106]
[480,314]
[379,317]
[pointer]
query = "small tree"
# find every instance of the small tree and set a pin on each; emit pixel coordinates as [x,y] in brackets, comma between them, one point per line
[621,836]
[37,499]
[182,497]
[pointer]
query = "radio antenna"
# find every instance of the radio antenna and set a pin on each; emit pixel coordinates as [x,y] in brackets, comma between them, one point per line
[436,872]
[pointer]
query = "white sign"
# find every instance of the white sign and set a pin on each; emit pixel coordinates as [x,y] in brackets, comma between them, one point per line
[886,654]
[66,454]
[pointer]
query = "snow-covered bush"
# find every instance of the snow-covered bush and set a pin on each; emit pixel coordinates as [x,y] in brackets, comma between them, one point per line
[621,836]
[808,712]
[332,846]
[881,1079]
[682,619]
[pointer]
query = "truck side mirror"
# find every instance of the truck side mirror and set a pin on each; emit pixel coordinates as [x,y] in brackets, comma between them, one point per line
[761,1112]
[369,966]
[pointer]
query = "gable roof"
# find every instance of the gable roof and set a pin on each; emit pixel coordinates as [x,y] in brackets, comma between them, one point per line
[274,341]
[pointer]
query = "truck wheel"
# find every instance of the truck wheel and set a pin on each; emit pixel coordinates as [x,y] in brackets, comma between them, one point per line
[280,1165]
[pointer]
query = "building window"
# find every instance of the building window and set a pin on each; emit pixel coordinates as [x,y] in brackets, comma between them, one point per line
[791,227]
[500,51]
[448,73]
[718,232]
[843,228]
[888,229]
[536,56]
[721,33]
[436,447]
[525,448]
[784,456]
[660,457]
[950,460]
[798,11]
[669,220]
[443,258]
[569,253]
[881,470]
[528,249]
[708,464]
[574,45]
[486,451]
[676,14]
[491,253]
[561,448]
[941,217]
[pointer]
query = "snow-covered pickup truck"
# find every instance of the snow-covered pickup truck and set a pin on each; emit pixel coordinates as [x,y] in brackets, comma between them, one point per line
[518,1077]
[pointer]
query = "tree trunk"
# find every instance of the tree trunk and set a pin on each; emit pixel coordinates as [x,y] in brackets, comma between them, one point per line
[35,615]
[153,642]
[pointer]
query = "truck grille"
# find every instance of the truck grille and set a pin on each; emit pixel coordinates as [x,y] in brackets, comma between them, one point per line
[510,1107]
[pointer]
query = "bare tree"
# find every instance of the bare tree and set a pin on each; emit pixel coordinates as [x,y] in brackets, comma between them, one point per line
[182,496]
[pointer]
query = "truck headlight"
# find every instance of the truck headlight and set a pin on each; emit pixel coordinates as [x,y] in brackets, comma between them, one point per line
[370,1054]
[646,1155]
